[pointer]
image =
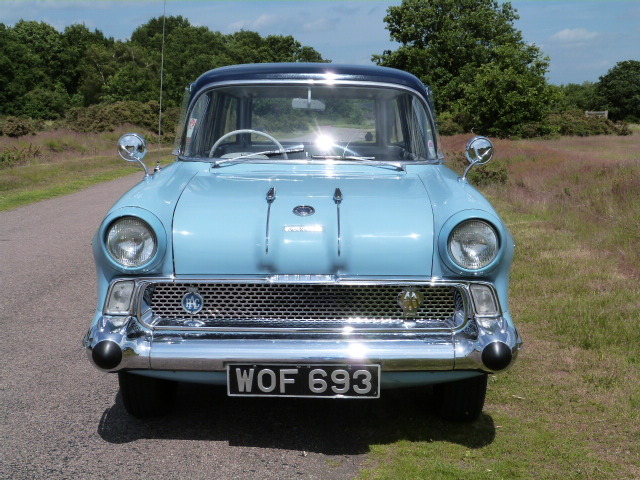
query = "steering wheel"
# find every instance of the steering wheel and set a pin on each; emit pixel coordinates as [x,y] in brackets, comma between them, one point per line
[247,130]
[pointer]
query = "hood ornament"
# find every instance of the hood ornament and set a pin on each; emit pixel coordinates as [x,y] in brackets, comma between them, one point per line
[337,197]
[304,210]
[270,198]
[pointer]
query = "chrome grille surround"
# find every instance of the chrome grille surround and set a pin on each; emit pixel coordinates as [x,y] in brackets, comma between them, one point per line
[335,306]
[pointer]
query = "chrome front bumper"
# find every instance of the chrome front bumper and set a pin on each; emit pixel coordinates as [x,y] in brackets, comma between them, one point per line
[141,348]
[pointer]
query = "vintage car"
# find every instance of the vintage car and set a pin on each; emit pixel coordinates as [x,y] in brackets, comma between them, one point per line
[308,241]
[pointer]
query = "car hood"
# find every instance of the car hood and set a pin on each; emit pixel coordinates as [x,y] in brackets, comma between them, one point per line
[224,225]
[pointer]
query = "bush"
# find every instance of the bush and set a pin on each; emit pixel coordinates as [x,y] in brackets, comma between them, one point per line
[575,122]
[482,175]
[105,117]
[13,156]
[538,129]
[489,174]
[18,127]
[448,124]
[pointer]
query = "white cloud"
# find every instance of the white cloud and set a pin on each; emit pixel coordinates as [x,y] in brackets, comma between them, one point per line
[264,21]
[574,35]
[321,25]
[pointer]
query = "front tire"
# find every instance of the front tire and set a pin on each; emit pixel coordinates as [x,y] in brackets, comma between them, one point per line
[145,397]
[461,401]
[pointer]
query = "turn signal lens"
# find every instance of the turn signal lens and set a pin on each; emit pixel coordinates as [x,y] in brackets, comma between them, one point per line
[119,301]
[483,300]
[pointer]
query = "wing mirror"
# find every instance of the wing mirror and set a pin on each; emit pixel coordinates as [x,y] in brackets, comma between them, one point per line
[132,147]
[479,151]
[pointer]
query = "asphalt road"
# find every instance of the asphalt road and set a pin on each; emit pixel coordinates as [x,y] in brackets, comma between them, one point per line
[62,418]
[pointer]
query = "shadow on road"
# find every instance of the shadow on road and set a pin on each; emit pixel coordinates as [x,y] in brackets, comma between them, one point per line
[330,427]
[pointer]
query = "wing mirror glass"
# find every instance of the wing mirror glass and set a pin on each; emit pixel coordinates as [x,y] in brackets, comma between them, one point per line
[132,147]
[479,151]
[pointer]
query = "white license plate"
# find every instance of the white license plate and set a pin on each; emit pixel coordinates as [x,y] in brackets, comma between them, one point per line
[333,381]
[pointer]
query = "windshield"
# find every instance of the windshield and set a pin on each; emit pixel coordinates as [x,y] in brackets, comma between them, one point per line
[265,121]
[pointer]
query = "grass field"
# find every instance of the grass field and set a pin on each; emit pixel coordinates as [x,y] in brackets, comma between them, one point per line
[59,162]
[569,409]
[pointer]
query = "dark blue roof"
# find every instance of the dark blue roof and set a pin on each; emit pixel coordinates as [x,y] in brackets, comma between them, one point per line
[307,71]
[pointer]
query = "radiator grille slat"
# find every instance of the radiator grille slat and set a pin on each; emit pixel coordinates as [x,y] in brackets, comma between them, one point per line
[299,305]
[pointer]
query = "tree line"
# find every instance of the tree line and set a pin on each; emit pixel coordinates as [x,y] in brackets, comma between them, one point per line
[486,77]
[45,72]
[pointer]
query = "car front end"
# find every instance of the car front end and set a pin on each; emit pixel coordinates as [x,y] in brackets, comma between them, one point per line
[308,242]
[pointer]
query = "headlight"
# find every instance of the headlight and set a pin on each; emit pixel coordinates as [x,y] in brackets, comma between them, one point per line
[131,242]
[473,244]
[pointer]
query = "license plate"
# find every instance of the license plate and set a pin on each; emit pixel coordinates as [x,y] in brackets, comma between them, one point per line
[334,381]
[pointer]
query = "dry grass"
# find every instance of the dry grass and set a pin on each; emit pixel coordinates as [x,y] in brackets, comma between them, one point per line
[64,161]
[570,407]
[590,186]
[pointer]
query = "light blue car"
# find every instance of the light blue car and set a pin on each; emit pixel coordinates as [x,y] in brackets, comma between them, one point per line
[308,241]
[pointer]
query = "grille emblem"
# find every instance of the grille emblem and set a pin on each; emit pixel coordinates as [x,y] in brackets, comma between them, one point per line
[410,300]
[304,210]
[192,302]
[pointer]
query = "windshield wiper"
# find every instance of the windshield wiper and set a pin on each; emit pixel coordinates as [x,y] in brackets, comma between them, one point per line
[364,160]
[246,157]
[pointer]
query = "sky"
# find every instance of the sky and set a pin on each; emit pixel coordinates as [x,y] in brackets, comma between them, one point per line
[583,38]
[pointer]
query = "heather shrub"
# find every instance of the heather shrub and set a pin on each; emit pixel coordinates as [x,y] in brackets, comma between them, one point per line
[494,172]
[448,124]
[18,126]
[576,123]
[489,174]
[105,117]
[14,156]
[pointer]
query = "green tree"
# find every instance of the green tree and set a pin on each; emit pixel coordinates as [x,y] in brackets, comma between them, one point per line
[575,96]
[76,56]
[191,51]
[620,89]
[482,71]
[44,42]
[45,103]
[21,71]
[44,72]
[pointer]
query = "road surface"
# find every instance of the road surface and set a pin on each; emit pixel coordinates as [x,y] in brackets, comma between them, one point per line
[62,418]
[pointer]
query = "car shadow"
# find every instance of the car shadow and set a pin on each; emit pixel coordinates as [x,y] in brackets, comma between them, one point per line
[330,427]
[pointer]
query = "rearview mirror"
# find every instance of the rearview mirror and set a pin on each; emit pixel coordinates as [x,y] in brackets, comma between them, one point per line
[307,104]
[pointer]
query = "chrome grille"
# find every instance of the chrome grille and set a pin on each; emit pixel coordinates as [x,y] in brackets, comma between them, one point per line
[299,305]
